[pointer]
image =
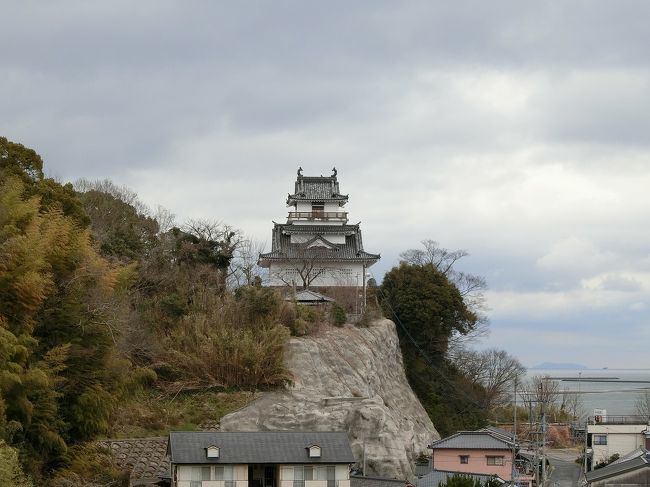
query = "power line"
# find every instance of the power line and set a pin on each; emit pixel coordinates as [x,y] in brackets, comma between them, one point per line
[428,361]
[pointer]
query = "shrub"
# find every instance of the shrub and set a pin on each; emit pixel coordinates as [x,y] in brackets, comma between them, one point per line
[311,314]
[370,314]
[11,472]
[338,315]
[299,328]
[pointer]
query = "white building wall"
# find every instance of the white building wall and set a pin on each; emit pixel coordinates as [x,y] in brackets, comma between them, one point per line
[342,472]
[621,439]
[336,239]
[184,476]
[348,274]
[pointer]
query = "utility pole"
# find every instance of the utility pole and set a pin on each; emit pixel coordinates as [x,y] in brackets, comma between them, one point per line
[543,421]
[514,438]
[364,304]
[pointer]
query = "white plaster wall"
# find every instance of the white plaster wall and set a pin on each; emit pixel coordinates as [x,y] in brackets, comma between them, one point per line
[332,206]
[342,472]
[620,443]
[239,472]
[303,206]
[183,472]
[337,239]
[621,439]
[345,275]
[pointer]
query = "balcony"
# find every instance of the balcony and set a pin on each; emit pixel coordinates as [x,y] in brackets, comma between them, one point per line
[318,216]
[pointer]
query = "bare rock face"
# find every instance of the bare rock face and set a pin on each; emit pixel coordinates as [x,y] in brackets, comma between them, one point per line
[349,379]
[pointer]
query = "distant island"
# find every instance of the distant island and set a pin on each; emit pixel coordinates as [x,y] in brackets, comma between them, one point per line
[555,365]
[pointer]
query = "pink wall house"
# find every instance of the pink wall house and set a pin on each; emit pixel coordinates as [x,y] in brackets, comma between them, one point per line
[482,452]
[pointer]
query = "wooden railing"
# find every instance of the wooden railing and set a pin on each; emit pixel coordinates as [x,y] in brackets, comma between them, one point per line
[318,215]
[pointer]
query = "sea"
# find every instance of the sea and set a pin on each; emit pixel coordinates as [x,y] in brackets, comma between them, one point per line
[614,390]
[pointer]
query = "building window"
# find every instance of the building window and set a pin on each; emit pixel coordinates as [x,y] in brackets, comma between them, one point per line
[600,439]
[495,460]
[464,459]
[299,476]
[318,207]
[198,475]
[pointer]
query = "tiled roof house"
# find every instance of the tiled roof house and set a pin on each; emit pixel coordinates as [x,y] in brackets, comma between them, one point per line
[260,459]
[488,452]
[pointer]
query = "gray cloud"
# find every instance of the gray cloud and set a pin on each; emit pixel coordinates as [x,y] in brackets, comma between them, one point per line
[516,130]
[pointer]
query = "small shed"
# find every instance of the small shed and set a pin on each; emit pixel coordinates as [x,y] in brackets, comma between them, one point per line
[309,298]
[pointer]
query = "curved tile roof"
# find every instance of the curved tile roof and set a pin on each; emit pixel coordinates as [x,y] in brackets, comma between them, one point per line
[283,249]
[316,188]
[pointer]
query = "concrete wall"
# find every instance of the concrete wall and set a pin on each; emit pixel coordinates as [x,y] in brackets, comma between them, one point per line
[449,459]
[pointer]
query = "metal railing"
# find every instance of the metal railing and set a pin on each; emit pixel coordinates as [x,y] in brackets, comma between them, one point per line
[612,419]
[318,215]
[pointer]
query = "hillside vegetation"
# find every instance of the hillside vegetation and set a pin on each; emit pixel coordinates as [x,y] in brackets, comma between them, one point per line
[110,325]
[114,321]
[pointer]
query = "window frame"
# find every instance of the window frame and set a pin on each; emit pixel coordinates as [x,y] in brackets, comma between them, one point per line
[599,439]
[464,459]
[495,460]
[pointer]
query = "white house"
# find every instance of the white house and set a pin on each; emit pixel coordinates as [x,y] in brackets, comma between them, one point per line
[616,434]
[317,247]
[259,459]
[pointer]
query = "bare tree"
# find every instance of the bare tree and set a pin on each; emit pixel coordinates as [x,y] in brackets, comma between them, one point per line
[221,241]
[164,217]
[471,287]
[642,404]
[540,393]
[120,192]
[494,370]
[244,268]
[303,273]
[572,403]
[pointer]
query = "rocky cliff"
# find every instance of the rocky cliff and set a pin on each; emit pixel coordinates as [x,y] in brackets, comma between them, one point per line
[348,379]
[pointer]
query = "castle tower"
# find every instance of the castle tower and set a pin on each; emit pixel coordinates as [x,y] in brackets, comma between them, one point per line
[317,247]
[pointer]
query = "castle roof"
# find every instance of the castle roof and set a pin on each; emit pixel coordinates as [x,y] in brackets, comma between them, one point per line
[318,248]
[317,188]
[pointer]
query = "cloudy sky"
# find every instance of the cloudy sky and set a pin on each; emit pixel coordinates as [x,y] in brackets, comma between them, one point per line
[516,130]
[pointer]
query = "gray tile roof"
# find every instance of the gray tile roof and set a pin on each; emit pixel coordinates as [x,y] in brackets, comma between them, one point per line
[283,249]
[291,229]
[616,468]
[145,458]
[259,447]
[308,296]
[436,477]
[422,469]
[318,188]
[499,432]
[474,440]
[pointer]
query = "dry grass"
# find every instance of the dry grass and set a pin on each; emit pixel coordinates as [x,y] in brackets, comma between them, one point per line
[152,413]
